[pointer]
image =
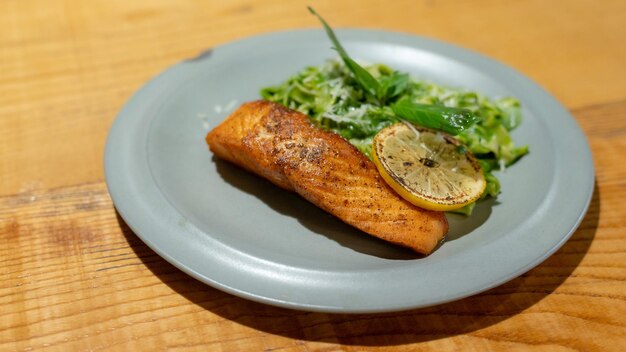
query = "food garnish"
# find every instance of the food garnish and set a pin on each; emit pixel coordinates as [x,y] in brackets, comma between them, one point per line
[428,168]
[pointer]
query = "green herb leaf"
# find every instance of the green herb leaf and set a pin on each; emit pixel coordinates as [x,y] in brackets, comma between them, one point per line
[364,78]
[393,85]
[449,120]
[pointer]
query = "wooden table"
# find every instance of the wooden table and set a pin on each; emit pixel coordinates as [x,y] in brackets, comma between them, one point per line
[74,277]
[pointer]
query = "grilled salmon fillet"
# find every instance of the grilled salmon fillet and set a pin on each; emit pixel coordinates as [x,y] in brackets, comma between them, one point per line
[283,146]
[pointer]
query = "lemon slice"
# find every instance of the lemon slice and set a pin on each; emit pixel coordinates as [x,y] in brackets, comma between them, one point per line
[427,168]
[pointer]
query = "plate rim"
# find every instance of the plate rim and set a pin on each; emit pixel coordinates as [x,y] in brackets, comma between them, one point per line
[117,190]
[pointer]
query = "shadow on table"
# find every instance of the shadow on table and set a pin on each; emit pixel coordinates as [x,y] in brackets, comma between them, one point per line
[455,318]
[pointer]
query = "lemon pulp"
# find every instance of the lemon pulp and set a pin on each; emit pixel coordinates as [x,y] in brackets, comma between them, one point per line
[428,168]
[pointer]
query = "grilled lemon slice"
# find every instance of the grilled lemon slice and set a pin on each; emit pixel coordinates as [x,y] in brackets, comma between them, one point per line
[428,168]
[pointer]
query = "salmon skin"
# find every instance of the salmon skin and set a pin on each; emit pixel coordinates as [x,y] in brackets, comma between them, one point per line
[283,146]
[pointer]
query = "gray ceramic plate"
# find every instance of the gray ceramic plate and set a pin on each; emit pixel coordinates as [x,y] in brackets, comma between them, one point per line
[240,234]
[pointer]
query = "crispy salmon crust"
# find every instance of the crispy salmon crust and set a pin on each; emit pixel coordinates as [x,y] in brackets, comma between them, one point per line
[283,146]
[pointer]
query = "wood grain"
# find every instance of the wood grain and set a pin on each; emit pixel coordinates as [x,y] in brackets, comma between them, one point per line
[67,67]
[76,278]
[73,277]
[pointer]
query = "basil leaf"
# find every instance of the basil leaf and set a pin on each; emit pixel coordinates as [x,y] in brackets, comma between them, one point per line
[449,120]
[364,78]
[393,85]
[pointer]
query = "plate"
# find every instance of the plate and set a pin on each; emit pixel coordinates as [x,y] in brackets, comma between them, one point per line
[240,234]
